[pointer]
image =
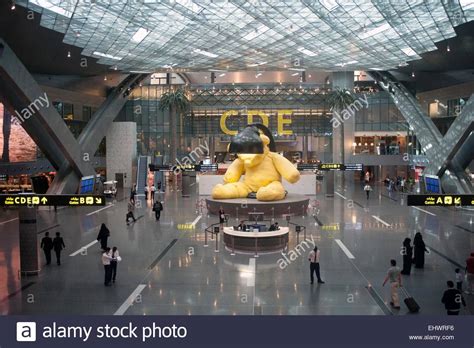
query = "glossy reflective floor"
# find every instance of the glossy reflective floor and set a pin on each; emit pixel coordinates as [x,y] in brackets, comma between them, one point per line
[166,270]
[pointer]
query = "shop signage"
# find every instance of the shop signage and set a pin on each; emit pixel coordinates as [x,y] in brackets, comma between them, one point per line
[29,200]
[340,166]
[440,200]
[254,116]
[331,166]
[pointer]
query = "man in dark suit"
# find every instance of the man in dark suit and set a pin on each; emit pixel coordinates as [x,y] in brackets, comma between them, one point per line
[157,208]
[47,246]
[242,226]
[452,299]
[274,227]
[58,245]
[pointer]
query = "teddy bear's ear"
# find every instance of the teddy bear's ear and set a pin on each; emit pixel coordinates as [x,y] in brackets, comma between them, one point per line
[265,139]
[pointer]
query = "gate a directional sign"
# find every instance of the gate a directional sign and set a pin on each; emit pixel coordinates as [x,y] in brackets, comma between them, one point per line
[441,200]
[48,200]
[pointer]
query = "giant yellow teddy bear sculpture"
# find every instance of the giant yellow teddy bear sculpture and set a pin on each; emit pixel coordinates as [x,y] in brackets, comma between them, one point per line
[263,173]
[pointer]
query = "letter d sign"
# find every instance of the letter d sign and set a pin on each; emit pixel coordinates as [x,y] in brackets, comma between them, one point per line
[26,332]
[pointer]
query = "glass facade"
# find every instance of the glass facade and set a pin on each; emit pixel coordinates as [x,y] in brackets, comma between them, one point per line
[380,115]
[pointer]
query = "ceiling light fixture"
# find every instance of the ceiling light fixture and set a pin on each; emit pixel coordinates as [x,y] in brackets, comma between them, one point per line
[105,55]
[409,51]
[253,34]
[307,52]
[205,53]
[466,4]
[448,49]
[412,74]
[105,78]
[140,35]
[13,6]
[295,74]
[258,75]
[297,69]
[329,4]
[222,75]
[375,31]
[69,54]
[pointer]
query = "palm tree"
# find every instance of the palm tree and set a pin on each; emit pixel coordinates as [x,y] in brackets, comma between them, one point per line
[338,100]
[177,102]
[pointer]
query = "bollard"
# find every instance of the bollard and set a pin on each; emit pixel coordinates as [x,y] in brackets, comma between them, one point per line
[217,243]
[205,238]
[256,247]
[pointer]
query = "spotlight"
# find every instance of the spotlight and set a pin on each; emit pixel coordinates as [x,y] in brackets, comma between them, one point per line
[413,74]
[69,54]
[448,49]
[13,6]
[105,78]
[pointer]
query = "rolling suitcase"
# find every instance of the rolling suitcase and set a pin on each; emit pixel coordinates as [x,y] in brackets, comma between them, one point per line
[410,302]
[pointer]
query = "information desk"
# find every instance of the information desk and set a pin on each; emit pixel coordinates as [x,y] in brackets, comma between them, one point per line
[256,242]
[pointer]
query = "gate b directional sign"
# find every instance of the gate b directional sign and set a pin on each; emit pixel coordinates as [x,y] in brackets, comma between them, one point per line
[47,200]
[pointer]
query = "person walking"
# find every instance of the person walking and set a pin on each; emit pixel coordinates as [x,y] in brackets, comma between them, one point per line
[314,265]
[221,217]
[157,208]
[106,259]
[147,192]
[395,279]
[407,252]
[452,299]
[58,245]
[470,274]
[367,190]
[103,235]
[47,246]
[113,263]
[419,250]
[152,192]
[130,209]
[133,192]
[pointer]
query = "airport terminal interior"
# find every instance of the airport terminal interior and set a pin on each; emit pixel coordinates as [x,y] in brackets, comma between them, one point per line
[244,157]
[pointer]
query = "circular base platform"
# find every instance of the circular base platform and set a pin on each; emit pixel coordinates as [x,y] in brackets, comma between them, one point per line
[292,204]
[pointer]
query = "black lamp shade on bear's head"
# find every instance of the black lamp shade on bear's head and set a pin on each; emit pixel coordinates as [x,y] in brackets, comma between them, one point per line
[247,141]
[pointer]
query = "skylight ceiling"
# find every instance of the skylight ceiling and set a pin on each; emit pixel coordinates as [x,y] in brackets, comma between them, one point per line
[151,35]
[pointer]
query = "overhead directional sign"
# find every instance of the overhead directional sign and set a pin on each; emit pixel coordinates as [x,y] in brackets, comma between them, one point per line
[441,200]
[307,166]
[331,166]
[340,166]
[55,200]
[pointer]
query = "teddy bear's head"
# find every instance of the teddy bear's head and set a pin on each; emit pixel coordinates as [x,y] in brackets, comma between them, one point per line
[251,160]
[251,145]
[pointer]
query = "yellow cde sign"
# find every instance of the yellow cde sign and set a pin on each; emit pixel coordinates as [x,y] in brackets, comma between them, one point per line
[283,118]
